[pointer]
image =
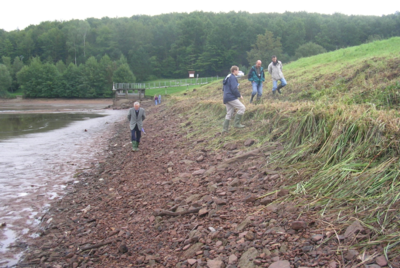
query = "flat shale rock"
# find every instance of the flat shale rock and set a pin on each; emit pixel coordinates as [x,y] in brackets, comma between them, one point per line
[230,146]
[249,142]
[191,252]
[381,261]
[243,224]
[200,158]
[353,229]
[232,259]
[199,172]
[215,264]
[248,257]
[280,264]
[298,225]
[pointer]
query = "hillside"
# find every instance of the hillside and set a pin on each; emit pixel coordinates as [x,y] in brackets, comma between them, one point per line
[338,123]
[312,181]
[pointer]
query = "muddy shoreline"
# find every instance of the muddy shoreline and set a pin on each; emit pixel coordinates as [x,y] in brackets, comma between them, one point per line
[35,167]
[52,105]
[176,204]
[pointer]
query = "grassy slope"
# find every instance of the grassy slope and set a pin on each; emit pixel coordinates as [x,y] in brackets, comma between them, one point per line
[171,85]
[338,122]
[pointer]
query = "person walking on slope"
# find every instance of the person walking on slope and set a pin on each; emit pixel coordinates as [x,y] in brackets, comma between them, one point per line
[231,99]
[275,69]
[136,117]
[156,99]
[257,77]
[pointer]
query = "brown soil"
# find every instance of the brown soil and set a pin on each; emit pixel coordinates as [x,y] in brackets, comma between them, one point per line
[176,204]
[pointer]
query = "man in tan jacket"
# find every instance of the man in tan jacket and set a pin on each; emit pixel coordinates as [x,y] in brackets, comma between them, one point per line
[275,69]
[136,117]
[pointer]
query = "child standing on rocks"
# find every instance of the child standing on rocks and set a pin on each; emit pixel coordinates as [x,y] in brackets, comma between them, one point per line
[136,117]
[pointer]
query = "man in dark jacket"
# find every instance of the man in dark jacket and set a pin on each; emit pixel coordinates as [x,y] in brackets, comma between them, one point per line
[231,99]
[256,77]
[136,117]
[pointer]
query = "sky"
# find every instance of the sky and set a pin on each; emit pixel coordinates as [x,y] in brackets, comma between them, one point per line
[18,14]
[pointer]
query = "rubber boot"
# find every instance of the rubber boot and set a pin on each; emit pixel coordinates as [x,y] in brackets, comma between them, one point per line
[226,126]
[279,88]
[258,98]
[238,118]
[133,146]
[137,146]
[273,92]
[251,100]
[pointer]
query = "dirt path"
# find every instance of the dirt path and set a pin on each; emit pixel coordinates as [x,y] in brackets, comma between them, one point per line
[174,204]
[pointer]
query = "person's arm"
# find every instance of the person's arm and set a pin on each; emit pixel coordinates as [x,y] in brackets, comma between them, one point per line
[250,75]
[144,115]
[281,67]
[129,115]
[270,68]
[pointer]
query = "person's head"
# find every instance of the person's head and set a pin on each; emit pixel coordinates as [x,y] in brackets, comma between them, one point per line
[234,70]
[258,64]
[274,58]
[136,105]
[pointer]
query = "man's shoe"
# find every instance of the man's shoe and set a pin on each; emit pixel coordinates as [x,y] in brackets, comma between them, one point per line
[226,126]
[238,118]
[137,146]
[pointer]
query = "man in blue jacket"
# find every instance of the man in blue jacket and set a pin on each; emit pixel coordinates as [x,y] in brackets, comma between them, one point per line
[231,99]
[257,77]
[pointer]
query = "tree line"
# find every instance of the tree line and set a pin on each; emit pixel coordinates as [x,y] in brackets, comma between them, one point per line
[92,79]
[168,45]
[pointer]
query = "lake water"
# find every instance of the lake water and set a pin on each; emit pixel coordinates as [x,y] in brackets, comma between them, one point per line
[39,153]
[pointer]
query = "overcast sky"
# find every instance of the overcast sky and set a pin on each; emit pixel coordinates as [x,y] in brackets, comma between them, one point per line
[18,14]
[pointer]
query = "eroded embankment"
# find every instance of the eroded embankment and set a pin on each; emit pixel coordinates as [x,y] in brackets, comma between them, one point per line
[179,203]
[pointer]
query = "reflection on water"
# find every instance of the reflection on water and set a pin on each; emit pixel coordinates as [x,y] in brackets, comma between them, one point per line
[13,125]
[39,153]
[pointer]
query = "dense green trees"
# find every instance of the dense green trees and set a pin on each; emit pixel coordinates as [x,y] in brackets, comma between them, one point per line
[168,45]
[5,80]
[124,75]
[309,49]
[265,47]
[93,79]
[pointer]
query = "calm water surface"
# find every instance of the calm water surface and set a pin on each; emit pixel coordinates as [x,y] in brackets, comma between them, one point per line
[39,153]
[14,125]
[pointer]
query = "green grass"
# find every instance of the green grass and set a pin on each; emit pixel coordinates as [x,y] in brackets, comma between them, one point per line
[173,89]
[339,124]
[169,90]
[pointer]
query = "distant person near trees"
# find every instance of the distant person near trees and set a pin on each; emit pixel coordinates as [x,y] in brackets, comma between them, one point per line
[159,99]
[275,69]
[136,117]
[156,99]
[231,99]
[257,77]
